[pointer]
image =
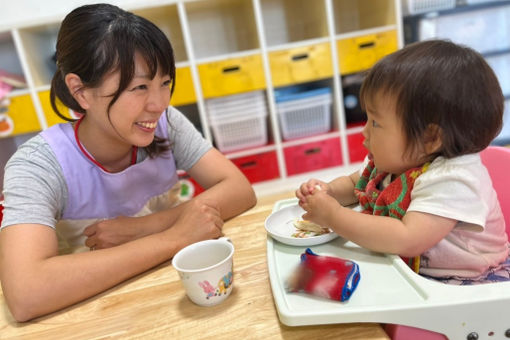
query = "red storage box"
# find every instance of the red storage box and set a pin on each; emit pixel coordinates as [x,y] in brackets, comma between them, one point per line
[313,156]
[259,167]
[357,151]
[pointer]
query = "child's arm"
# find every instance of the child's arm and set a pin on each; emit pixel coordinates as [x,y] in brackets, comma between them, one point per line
[341,188]
[409,237]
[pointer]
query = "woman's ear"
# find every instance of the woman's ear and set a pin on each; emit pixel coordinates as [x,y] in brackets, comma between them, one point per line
[77,90]
[432,138]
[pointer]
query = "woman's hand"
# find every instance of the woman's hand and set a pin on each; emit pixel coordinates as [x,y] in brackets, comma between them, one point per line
[200,220]
[111,233]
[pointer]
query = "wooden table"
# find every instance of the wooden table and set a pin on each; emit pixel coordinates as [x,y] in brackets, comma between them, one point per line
[153,305]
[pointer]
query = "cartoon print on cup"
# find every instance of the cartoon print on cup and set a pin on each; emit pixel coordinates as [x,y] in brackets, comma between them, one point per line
[223,284]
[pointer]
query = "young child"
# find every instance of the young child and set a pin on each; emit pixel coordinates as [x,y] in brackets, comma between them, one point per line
[425,195]
[104,182]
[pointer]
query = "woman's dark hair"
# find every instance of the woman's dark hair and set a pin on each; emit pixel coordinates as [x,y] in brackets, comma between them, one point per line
[95,40]
[442,83]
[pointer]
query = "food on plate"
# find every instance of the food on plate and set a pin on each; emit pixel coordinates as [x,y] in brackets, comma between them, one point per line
[307,229]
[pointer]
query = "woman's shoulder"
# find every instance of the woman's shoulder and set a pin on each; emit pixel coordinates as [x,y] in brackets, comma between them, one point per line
[35,152]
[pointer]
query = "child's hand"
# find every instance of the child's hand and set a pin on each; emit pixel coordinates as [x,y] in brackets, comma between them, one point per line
[309,188]
[320,208]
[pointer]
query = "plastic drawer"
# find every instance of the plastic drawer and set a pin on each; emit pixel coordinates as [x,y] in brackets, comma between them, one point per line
[301,64]
[361,53]
[232,76]
[20,117]
[259,167]
[184,92]
[313,156]
[357,151]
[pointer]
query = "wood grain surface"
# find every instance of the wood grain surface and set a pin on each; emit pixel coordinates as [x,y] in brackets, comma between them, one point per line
[153,305]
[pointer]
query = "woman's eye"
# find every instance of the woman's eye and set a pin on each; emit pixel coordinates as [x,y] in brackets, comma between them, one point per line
[374,123]
[167,83]
[139,87]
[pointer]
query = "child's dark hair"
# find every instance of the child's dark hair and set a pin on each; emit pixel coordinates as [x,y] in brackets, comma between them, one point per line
[95,40]
[442,83]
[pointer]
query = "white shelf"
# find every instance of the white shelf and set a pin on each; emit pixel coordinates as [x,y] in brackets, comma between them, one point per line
[208,33]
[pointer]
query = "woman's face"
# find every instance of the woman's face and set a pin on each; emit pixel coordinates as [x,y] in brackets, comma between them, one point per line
[135,114]
[385,138]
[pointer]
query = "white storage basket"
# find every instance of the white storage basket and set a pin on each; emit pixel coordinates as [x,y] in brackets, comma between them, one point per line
[238,121]
[411,7]
[240,132]
[304,114]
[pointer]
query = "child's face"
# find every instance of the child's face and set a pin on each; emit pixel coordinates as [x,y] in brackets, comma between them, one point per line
[135,114]
[385,138]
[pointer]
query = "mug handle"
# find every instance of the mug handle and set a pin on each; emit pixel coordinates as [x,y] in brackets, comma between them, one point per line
[225,239]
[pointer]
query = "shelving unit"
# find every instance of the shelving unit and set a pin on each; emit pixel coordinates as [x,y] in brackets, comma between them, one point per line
[484,25]
[228,47]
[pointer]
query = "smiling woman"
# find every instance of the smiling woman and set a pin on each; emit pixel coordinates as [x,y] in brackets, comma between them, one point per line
[106,181]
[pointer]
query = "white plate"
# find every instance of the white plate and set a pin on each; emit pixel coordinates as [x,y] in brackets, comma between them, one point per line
[280,225]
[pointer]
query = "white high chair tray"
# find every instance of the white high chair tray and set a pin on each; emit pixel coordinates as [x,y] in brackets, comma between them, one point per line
[389,292]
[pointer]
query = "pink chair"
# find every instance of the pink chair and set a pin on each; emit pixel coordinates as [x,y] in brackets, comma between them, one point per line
[497,161]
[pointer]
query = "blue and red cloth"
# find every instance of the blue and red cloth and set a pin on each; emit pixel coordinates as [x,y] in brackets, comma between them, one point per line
[326,276]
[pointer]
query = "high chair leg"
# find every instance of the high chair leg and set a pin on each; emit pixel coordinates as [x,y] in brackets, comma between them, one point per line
[400,332]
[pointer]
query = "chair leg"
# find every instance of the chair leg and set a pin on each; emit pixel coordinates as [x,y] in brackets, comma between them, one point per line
[400,332]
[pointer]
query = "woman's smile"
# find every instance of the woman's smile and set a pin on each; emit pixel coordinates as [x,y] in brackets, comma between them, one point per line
[147,125]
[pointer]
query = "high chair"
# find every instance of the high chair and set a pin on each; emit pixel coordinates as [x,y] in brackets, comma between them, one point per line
[497,161]
[389,292]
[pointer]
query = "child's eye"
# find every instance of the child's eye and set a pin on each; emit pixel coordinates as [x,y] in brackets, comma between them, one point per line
[167,83]
[374,123]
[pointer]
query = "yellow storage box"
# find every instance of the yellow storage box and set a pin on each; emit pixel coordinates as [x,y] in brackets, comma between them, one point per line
[232,76]
[184,92]
[49,114]
[301,64]
[19,118]
[361,53]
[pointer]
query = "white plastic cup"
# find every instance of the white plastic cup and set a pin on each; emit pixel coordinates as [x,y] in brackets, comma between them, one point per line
[206,272]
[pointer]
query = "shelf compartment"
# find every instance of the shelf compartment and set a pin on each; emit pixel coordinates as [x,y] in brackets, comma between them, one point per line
[351,85]
[184,92]
[501,66]
[221,27]
[259,167]
[301,64]
[167,19]
[313,156]
[288,21]
[39,45]
[21,115]
[232,76]
[360,53]
[357,151]
[485,30]
[50,115]
[9,60]
[303,112]
[354,15]
[239,121]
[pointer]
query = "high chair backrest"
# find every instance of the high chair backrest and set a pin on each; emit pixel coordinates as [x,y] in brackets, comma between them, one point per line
[497,161]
